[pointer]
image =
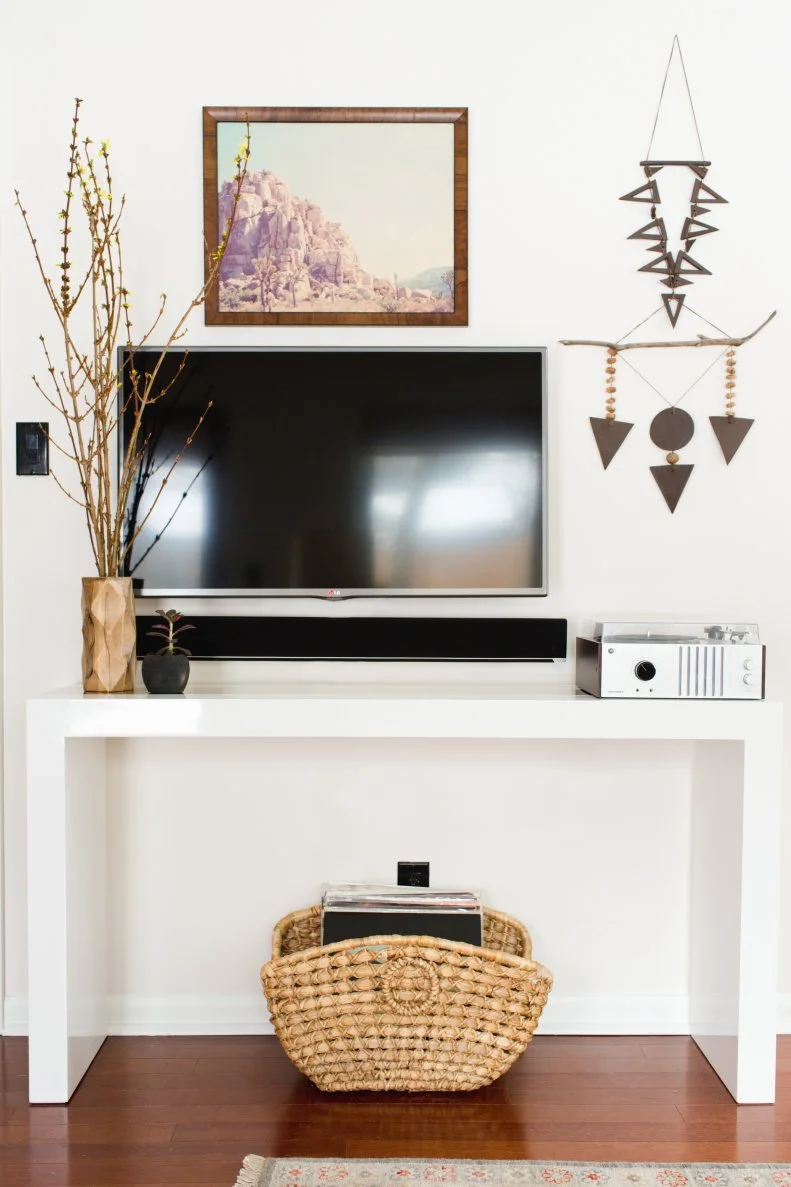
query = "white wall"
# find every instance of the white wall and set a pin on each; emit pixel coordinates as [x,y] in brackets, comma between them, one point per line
[210,843]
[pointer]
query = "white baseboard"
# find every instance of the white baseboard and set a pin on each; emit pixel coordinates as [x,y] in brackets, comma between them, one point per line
[15,1016]
[189,1015]
[621,1014]
[198,1015]
[616,1014]
[784,1014]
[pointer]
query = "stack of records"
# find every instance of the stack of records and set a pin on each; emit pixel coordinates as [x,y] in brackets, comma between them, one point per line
[351,911]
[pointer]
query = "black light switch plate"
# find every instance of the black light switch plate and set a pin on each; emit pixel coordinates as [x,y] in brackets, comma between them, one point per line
[413,873]
[32,447]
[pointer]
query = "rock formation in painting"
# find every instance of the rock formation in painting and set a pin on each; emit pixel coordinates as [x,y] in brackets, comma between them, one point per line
[284,254]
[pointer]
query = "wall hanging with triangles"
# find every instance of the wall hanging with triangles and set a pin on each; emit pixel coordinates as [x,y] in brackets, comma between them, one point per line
[675,267]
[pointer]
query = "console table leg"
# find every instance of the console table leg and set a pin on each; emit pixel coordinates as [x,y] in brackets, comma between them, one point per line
[735,912]
[67,962]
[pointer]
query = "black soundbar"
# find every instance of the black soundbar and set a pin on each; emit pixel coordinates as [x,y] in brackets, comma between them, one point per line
[538,640]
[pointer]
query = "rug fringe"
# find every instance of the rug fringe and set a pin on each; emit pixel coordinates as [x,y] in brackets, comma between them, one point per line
[252,1169]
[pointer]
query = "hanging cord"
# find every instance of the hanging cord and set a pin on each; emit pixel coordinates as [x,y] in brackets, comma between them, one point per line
[675,403]
[672,403]
[676,42]
[719,329]
[694,312]
[689,309]
[639,324]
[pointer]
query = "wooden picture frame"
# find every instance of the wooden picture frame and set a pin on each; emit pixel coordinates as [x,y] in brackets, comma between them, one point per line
[290,261]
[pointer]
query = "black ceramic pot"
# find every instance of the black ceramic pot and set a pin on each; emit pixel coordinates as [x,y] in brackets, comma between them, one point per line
[166,673]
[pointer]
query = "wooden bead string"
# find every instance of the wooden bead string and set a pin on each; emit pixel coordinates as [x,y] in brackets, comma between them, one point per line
[730,382]
[612,358]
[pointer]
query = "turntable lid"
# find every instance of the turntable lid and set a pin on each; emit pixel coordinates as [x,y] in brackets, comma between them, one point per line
[677,632]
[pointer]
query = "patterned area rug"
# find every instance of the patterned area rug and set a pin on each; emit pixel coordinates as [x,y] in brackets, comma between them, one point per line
[384,1172]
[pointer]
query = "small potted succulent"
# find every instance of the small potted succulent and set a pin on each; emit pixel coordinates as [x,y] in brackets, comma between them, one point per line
[168,670]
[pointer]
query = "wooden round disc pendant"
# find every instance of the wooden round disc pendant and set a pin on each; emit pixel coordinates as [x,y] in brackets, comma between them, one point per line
[672,428]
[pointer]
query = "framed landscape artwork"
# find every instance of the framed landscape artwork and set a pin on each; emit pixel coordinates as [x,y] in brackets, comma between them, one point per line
[349,216]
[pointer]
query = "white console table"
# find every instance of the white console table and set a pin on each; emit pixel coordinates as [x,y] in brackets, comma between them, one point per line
[735,836]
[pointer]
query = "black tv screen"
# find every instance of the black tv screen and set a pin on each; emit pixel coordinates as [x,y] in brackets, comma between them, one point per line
[334,472]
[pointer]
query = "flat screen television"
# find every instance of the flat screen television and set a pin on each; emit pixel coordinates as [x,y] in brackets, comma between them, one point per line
[342,472]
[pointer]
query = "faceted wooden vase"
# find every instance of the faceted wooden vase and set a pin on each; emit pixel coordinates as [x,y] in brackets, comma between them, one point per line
[108,634]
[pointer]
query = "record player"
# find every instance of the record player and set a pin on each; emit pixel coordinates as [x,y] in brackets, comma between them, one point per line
[672,661]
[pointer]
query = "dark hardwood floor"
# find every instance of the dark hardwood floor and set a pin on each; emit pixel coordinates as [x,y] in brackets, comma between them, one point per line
[184,1111]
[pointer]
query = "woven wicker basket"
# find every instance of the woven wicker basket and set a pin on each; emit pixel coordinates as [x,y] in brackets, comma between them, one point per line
[410,1013]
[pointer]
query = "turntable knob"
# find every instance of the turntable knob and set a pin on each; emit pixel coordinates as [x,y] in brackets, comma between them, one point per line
[749,664]
[645,670]
[749,678]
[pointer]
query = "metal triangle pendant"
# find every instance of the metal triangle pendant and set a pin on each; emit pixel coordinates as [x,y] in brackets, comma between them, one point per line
[610,436]
[693,229]
[671,480]
[704,193]
[662,265]
[684,263]
[673,310]
[650,188]
[730,432]
[654,230]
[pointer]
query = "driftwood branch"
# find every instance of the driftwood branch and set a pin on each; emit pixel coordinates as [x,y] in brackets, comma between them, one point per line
[701,340]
